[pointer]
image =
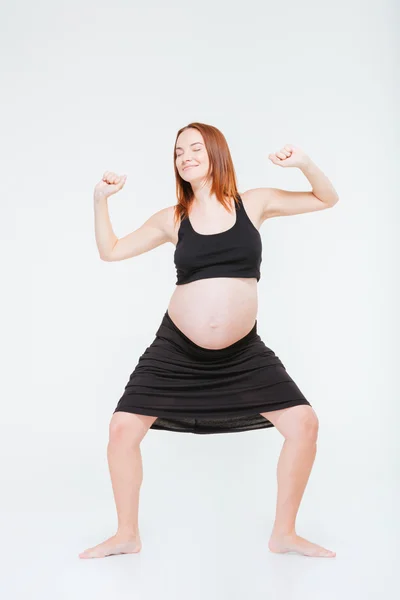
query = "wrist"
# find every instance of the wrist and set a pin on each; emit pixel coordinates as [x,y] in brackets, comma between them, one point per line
[99,197]
[306,164]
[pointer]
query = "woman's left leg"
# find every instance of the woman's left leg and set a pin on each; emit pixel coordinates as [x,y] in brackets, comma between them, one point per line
[299,426]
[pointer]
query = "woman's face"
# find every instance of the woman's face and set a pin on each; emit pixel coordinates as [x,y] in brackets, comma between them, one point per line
[191,155]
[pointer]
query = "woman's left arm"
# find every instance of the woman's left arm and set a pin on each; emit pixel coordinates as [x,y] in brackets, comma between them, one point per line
[277,202]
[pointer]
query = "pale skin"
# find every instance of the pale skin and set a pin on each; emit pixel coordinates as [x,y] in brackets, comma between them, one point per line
[298,424]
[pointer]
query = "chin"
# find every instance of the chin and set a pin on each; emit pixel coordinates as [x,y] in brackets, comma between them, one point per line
[192,176]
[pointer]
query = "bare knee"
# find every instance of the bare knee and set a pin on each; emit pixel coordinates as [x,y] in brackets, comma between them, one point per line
[129,428]
[305,425]
[298,423]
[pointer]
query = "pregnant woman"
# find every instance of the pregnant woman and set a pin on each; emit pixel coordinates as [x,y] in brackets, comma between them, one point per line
[207,369]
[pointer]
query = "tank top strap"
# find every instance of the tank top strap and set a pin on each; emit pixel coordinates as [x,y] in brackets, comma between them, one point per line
[184,225]
[240,212]
[243,218]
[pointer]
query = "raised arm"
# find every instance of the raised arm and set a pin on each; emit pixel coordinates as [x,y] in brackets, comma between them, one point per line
[154,232]
[151,234]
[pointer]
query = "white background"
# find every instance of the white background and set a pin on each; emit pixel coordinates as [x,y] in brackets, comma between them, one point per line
[94,86]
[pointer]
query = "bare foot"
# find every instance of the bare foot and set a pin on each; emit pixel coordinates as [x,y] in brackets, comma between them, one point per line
[293,542]
[116,544]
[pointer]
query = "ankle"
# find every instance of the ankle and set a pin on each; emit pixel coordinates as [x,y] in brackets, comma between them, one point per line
[282,531]
[130,532]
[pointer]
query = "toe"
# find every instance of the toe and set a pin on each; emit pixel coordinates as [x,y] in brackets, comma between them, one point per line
[89,553]
[325,552]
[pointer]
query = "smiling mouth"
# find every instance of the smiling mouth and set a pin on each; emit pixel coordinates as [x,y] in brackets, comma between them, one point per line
[191,167]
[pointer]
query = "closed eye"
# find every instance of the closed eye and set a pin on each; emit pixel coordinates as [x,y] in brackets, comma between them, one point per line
[196,150]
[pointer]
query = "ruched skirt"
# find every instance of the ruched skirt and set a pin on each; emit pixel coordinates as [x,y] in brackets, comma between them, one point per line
[192,389]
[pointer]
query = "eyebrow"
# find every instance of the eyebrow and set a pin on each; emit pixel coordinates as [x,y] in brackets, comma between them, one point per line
[194,143]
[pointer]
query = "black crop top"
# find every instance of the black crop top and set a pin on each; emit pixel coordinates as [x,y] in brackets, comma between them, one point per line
[236,252]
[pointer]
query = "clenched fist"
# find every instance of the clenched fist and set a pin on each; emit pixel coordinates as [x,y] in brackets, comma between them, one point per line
[109,184]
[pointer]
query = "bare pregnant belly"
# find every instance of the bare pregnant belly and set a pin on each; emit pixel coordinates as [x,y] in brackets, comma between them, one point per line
[216,312]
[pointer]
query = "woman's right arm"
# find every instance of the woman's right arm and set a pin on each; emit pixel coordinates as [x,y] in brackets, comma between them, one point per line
[154,232]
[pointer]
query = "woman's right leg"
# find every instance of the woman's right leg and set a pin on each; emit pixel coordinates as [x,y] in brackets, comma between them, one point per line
[126,470]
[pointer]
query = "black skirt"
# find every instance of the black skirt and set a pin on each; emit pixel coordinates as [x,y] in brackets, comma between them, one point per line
[203,390]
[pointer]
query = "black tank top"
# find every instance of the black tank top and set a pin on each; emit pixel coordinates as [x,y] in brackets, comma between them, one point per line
[236,252]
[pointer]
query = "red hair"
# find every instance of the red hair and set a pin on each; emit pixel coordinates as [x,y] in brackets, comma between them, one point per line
[221,171]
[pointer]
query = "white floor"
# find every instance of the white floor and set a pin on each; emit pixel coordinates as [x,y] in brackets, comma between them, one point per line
[204,521]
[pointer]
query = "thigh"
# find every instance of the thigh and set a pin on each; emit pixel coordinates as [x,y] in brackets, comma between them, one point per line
[294,421]
[130,425]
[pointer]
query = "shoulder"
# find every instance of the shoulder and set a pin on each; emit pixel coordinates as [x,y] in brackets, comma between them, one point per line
[258,196]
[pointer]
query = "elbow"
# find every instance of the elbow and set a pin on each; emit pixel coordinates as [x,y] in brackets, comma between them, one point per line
[108,256]
[336,200]
[332,202]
